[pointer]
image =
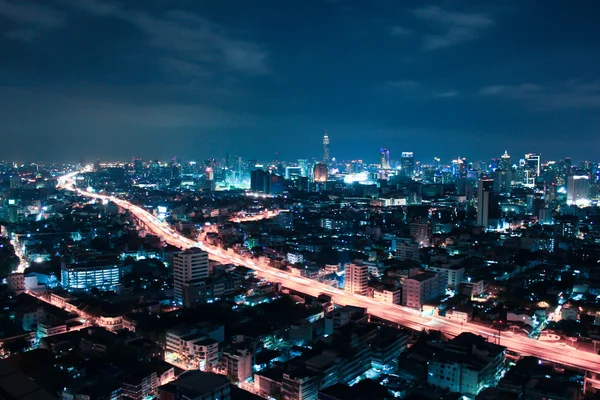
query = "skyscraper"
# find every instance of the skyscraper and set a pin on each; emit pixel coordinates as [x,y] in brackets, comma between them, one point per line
[505,162]
[484,191]
[407,163]
[190,269]
[578,190]
[385,158]
[502,180]
[326,149]
[320,173]
[260,181]
[532,168]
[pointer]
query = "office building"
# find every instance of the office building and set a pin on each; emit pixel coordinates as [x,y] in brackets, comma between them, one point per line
[502,181]
[504,163]
[407,164]
[326,149]
[85,276]
[292,172]
[421,288]
[260,181]
[356,278]
[531,168]
[15,182]
[578,190]
[459,168]
[320,173]
[190,268]
[484,192]
[385,158]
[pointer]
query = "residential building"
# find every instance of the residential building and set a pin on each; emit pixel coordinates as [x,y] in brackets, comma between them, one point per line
[467,364]
[422,287]
[454,274]
[356,278]
[406,249]
[299,385]
[237,363]
[190,269]
[197,385]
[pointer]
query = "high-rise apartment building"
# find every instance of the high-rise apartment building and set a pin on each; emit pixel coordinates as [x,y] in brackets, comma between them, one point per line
[190,269]
[356,278]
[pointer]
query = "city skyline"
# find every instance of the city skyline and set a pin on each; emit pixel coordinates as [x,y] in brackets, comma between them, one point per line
[111,80]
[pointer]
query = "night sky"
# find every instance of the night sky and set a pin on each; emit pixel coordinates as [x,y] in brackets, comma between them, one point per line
[201,78]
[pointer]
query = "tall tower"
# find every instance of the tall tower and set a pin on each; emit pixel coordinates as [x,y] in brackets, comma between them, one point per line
[484,191]
[505,162]
[385,158]
[326,149]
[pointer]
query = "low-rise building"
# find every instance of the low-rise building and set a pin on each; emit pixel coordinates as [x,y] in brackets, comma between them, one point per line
[467,364]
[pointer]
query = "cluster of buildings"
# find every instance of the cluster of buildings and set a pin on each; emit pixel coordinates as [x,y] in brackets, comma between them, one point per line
[508,244]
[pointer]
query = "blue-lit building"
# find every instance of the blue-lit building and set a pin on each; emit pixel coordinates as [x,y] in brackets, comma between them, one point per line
[88,275]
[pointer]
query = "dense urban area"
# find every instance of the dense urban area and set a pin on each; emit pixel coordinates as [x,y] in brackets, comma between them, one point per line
[315,279]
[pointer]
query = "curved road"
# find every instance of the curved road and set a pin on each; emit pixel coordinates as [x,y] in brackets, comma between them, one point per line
[401,315]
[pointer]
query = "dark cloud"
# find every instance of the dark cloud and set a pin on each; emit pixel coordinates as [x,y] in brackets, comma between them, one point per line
[455,27]
[569,95]
[115,78]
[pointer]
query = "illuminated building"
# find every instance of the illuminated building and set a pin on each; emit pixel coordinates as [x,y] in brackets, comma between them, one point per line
[407,164]
[320,173]
[484,191]
[15,182]
[292,172]
[505,162]
[238,363]
[459,168]
[406,249]
[190,269]
[303,164]
[421,232]
[356,278]
[422,287]
[325,149]
[89,275]
[578,190]
[201,350]
[385,158]
[468,364]
[531,168]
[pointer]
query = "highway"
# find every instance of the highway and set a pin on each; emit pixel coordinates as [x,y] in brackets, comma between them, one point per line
[404,316]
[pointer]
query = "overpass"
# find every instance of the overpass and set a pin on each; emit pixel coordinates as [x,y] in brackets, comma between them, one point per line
[404,316]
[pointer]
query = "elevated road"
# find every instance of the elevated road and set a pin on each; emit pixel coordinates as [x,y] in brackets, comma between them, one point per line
[404,316]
